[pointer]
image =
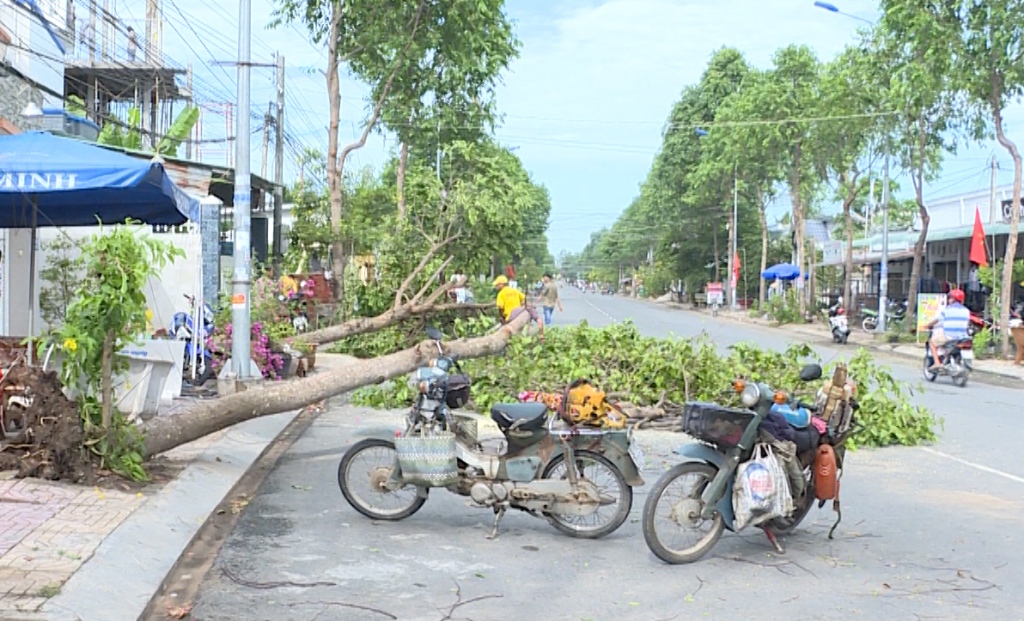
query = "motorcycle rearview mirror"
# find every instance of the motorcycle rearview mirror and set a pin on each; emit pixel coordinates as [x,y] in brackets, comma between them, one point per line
[434,333]
[810,373]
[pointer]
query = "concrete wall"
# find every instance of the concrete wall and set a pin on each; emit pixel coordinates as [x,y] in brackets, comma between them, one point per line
[164,294]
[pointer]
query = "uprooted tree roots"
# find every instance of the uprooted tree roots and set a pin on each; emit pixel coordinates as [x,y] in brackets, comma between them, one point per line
[44,436]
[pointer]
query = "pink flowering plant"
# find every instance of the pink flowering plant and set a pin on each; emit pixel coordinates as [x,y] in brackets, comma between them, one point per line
[270,363]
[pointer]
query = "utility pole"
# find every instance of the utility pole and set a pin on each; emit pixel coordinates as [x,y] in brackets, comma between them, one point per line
[268,118]
[883,282]
[733,276]
[279,164]
[188,85]
[870,206]
[240,303]
[992,209]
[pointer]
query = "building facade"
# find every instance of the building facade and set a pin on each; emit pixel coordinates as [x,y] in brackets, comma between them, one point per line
[946,261]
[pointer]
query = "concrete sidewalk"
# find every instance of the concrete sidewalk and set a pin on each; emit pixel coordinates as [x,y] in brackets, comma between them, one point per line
[73,553]
[998,367]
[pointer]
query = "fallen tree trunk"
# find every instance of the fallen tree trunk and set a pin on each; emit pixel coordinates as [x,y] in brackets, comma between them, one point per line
[364,325]
[164,433]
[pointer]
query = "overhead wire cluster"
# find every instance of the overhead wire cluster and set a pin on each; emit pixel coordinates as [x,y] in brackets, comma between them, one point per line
[212,84]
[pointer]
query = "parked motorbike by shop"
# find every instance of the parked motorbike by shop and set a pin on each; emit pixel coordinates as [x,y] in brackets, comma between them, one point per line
[579,478]
[297,303]
[727,441]
[896,312]
[838,324]
[957,358]
[183,329]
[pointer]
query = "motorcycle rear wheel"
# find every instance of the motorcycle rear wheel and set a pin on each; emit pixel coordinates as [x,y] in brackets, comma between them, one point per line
[571,524]
[403,509]
[651,534]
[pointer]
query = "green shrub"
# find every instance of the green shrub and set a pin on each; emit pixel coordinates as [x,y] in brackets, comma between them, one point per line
[619,359]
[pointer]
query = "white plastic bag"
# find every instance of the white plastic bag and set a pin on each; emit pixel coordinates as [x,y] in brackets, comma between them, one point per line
[761,491]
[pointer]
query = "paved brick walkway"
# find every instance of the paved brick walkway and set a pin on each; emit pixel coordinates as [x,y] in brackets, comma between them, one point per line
[47,531]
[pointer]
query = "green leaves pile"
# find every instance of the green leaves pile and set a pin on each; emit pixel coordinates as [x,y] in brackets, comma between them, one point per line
[618,359]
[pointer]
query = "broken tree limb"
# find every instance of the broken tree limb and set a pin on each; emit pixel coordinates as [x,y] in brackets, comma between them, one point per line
[164,433]
[364,325]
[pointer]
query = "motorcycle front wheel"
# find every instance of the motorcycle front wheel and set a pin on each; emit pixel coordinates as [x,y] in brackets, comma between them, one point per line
[869,324]
[683,514]
[927,372]
[393,505]
[603,474]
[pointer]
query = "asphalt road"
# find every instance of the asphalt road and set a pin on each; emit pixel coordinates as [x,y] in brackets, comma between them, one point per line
[927,533]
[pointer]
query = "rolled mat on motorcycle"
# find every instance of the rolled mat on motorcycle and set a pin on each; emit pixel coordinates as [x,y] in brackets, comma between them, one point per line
[564,465]
[762,464]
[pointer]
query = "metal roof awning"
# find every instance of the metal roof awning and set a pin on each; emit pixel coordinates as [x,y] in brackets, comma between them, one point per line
[200,179]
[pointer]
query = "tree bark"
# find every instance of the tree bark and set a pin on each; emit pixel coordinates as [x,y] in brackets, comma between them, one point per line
[1006,292]
[715,248]
[851,195]
[922,239]
[364,325]
[107,382]
[336,161]
[333,172]
[403,162]
[764,255]
[798,224]
[165,433]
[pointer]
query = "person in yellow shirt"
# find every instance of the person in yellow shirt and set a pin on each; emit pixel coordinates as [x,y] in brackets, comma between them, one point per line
[509,298]
[511,302]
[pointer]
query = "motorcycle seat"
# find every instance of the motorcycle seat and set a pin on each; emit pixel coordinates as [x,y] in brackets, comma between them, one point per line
[531,415]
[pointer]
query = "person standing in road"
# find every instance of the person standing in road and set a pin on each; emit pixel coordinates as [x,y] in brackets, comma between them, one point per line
[548,297]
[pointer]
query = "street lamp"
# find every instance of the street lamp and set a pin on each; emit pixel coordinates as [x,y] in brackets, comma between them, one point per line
[883,273]
[834,9]
[733,302]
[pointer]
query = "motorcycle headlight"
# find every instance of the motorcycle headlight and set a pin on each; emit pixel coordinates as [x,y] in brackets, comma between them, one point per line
[751,395]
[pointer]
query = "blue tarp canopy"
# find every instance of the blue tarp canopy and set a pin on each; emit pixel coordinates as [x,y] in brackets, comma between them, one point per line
[47,180]
[74,183]
[782,271]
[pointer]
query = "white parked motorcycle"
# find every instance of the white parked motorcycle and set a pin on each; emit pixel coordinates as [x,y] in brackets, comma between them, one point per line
[838,324]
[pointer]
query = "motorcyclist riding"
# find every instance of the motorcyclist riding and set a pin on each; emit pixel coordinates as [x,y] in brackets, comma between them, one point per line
[950,325]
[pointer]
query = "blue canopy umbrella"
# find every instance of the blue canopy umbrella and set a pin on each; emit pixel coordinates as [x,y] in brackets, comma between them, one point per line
[782,271]
[53,181]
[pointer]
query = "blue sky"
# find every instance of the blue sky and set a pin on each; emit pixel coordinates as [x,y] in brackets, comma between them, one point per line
[585,102]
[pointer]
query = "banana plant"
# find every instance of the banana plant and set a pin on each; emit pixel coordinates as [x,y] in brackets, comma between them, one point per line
[179,131]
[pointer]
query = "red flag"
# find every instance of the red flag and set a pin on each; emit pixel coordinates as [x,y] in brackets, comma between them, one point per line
[978,254]
[736,262]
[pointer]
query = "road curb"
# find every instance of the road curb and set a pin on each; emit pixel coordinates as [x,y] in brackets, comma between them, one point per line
[131,564]
[901,349]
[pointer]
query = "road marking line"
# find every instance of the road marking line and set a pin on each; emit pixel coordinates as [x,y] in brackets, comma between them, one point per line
[1005,475]
[600,310]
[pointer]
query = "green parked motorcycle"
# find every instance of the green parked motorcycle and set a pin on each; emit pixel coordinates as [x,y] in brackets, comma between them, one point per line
[580,479]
